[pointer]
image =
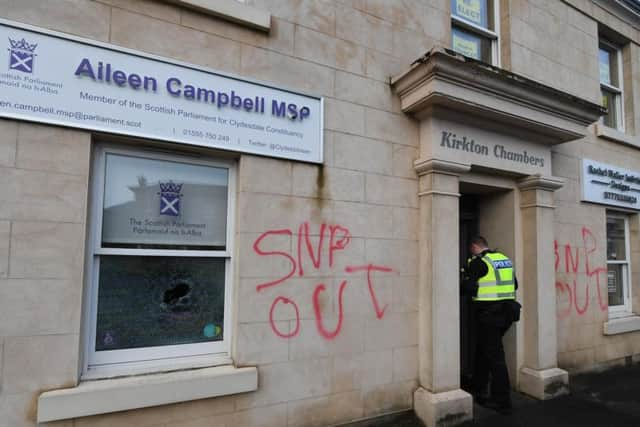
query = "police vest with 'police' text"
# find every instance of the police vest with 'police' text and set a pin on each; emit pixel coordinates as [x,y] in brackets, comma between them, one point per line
[499,282]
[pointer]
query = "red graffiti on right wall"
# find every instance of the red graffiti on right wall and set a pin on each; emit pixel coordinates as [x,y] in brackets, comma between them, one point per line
[580,275]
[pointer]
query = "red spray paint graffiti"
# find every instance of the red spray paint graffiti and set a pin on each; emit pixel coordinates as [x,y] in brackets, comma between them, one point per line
[339,239]
[369,268]
[316,308]
[273,324]
[572,286]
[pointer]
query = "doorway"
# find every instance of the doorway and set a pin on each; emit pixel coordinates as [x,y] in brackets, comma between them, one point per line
[491,211]
[468,228]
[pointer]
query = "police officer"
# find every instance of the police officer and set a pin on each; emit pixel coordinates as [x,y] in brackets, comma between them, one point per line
[489,278]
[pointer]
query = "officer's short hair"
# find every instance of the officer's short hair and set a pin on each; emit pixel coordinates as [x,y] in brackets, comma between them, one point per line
[480,241]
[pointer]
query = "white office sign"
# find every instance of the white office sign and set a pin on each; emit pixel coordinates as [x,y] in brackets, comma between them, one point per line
[610,185]
[64,81]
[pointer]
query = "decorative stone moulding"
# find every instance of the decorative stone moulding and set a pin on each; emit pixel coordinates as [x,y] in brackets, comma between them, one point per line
[538,182]
[424,167]
[442,79]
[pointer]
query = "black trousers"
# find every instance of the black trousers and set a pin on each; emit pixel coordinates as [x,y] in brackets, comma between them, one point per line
[491,323]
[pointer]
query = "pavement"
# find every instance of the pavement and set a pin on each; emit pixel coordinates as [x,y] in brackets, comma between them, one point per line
[605,399]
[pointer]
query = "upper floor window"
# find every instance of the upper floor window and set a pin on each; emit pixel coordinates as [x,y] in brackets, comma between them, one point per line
[610,64]
[474,29]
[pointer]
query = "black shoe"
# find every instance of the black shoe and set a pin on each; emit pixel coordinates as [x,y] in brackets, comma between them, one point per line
[501,408]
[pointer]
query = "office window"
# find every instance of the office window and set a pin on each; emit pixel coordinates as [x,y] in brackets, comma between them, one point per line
[474,29]
[610,64]
[618,274]
[160,257]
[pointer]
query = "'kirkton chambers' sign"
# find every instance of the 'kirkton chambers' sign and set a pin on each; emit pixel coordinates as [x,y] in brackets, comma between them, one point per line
[610,185]
[463,143]
[61,81]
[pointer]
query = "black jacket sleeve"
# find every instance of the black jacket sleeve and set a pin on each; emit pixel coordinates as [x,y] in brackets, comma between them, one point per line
[475,270]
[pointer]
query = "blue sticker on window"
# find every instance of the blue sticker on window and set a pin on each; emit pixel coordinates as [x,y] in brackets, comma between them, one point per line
[210,330]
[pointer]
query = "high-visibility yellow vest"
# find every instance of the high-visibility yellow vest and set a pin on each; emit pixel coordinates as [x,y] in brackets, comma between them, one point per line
[499,282]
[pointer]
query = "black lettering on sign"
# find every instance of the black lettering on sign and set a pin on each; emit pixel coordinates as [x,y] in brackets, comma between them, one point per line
[464,143]
[450,140]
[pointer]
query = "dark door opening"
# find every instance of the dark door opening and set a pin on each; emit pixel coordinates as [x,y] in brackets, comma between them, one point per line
[468,229]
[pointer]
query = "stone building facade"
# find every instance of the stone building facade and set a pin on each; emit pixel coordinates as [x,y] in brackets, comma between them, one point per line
[336,284]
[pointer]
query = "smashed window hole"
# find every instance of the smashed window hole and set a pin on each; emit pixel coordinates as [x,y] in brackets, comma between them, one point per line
[173,295]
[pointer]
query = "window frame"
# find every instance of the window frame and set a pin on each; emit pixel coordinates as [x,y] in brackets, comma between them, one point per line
[625,309]
[493,36]
[158,358]
[617,91]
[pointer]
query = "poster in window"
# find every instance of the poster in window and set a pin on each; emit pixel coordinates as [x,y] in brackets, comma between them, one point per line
[471,10]
[466,44]
[163,204]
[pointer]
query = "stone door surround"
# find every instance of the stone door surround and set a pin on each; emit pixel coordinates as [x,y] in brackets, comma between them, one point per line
[474,116]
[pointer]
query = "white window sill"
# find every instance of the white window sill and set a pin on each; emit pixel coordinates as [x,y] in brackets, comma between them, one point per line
[231,10]
[616,136]
[621,325]
[155,367]
[121,394]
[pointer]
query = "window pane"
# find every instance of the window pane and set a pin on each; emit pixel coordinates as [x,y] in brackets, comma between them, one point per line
[604,59]
[471,45]
[608,63]
[156,301]
[616,247]
[609,101]
[615,283]
[162,204]
[471,10]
